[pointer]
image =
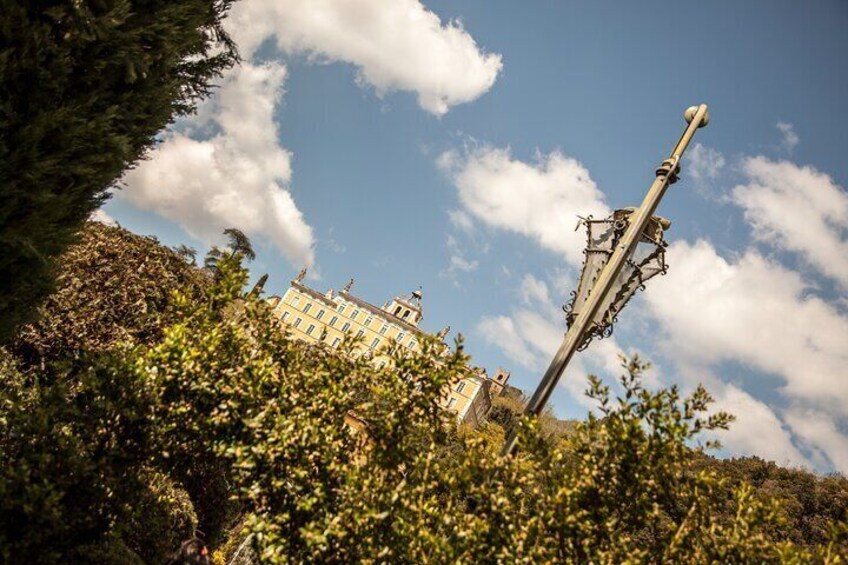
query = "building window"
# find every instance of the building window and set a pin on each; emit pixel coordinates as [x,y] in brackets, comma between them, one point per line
[384,329]
[295,300]
[397,311]
[310,329]
[412,343]
[307,308]
[375,343]
[297,322]
[360,333]
[346,326]
[321,314]
[451,403]
[340,309]
[286,316]
[406,314]
[400,337]
[336,342]
[333,320]
[368,321]
[354,314]
[460,387]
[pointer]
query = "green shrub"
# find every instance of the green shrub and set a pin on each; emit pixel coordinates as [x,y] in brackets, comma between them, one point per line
[224,423]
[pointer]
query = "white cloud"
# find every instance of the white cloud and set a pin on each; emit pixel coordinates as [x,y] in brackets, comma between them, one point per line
[757,429]
[237,177]
[541,200]
[225,166]
[395,44]
[333,244]
[461,221]
[458,261]
[705,163]
[797,209]
[790,138]
[756,312]
[819,431]
[534,290]
[502,332]
[100,216]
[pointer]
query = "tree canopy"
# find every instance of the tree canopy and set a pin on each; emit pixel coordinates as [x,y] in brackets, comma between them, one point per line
[221,423]
[84,88]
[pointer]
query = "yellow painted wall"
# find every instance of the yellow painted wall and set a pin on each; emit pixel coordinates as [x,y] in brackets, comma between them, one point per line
[301,311]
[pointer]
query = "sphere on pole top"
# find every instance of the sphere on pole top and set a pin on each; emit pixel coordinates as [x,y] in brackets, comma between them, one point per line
[689,115]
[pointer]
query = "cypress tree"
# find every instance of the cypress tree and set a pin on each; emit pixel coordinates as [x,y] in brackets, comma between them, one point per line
[85,85]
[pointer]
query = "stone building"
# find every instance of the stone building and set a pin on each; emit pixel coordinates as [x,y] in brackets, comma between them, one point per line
[328,317]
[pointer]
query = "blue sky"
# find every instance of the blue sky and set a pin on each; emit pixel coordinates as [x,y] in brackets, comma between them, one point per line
[452,145]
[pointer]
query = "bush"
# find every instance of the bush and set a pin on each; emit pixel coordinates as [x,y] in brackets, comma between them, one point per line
[225,423]
[70,452]
[114,287]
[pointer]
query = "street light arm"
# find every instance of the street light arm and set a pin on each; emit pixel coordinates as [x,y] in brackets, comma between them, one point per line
[666,174]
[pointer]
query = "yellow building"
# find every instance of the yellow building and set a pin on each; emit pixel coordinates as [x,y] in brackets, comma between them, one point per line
[327,317]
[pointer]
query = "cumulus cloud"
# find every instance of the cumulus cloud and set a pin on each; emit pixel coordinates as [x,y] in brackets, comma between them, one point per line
[821,434]
[502,332]
[790,138]
[226,167]
[540,200]
[704,163]
[395,45]
[237,177]
[100,216]
[531,334]
[757,429]
[797,209]
[753,311]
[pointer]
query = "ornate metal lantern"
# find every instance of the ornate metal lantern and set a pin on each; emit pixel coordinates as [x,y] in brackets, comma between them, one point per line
[647,261]
[623,252]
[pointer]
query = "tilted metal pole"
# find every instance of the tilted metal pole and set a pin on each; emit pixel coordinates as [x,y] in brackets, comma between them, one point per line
[638,222]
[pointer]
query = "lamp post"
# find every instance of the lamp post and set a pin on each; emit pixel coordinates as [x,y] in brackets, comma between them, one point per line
[612,272]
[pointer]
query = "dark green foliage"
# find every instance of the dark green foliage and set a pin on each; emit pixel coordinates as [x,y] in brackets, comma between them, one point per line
[295,454]
[159,518]
[188,253]
[70,452]
[810,504]
[74,431]
[507,410]
[114,286]
[84,88]
[237,243]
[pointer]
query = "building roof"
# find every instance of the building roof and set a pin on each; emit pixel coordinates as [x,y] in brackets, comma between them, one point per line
[313,293]
[382,313]
[359,302]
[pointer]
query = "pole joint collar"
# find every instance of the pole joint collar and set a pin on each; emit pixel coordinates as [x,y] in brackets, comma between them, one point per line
[669,168]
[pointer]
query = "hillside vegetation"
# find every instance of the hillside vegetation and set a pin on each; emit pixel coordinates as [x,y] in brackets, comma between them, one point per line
[155,402]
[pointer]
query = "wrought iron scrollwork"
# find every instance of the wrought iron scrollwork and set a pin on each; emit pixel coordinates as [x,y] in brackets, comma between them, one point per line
[602,238]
